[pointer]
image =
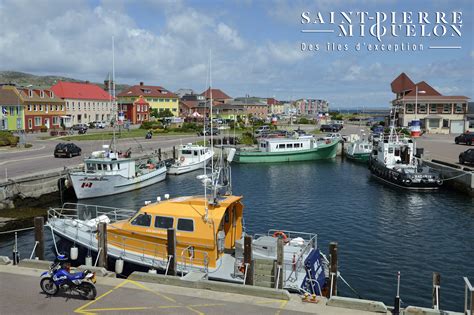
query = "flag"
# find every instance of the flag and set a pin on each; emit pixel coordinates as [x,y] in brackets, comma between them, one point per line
[4,111]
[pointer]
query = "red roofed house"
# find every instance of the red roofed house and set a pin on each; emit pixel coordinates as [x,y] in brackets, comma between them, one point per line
[85,102]
[217,96]
[437,113]
[137,111]
[156,96]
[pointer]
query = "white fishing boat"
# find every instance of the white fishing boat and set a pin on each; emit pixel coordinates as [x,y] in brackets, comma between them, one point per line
[107,173]
[191,157]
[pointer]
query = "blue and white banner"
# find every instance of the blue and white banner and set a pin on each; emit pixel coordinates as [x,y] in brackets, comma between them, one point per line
[315,278]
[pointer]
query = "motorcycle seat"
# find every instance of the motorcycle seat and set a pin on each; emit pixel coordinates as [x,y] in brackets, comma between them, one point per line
[76,276]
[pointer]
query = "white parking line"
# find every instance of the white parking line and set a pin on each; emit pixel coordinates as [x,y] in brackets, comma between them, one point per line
[25,159]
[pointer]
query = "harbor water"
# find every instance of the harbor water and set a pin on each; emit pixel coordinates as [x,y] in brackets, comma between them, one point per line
[380,230]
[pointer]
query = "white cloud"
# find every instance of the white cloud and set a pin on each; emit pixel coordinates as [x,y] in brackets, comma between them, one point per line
[230,36]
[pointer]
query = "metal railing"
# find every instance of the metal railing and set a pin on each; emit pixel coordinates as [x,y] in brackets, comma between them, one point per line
[468,288]
[147,252]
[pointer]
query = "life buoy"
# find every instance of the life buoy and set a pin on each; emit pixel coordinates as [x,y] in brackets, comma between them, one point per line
[182,159]
[282,235]
[242,268]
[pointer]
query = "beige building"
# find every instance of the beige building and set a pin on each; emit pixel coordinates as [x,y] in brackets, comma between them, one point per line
[85,102]
[437,113]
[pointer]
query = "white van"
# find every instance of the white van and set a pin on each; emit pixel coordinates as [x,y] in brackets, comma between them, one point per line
[262,129]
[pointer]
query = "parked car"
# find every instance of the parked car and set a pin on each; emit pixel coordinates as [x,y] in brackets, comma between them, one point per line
[337,127]
[262,129]
[215,131]
[467,138]
[82,131]
[99,124]
[79,126]
[329,128]
[66,150]
[332,136]
[467,156]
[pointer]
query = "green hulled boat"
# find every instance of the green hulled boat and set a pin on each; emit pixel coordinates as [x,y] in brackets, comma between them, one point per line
[359,151]
[288,150]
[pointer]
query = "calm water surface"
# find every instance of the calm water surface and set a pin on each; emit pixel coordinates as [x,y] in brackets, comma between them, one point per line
[380,230]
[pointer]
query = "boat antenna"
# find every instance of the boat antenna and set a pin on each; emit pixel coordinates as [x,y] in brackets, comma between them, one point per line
[210,93]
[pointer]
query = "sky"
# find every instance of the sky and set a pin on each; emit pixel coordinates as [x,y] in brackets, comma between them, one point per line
[255,47]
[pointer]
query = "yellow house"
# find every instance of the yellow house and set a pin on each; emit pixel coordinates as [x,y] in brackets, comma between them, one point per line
[157,96]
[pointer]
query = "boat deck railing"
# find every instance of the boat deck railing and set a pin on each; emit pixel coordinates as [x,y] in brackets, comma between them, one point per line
[468,296]
[296,264]
[80,211]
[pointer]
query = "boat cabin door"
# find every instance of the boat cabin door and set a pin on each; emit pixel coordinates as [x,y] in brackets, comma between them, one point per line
[231,225]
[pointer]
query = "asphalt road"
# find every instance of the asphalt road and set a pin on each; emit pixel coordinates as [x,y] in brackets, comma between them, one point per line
[22,162]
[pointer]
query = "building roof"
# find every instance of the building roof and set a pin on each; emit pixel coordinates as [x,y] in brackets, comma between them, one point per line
[147,90]
[81,91]
[189,104]
[216,94]
[8,97]
[423,89]
[48,95]
[434,98]
[402,83]
[140,101]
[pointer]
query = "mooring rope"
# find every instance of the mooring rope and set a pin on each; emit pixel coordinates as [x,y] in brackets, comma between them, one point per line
[460,175]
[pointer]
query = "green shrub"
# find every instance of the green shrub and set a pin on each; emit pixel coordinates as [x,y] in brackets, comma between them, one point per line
[303,121]
[248,138]
[44,128]
[28,145]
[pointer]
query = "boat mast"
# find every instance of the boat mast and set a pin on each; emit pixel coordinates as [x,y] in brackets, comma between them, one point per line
[114,109]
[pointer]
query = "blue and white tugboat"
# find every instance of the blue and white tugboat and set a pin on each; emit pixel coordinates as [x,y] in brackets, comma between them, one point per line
[393,161]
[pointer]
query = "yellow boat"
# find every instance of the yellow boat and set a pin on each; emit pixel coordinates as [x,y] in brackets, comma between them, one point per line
[209,236]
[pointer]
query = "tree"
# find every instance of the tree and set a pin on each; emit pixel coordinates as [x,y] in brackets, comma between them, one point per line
[161,114]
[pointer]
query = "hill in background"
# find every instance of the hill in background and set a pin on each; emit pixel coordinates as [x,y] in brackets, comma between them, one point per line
[25,79]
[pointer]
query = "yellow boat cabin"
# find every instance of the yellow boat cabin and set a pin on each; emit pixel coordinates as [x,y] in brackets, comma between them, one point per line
[203,230]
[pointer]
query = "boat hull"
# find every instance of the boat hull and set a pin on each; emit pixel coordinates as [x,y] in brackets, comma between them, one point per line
[86,186]
[324,151]
[181,169]
[398,179]
[358,157]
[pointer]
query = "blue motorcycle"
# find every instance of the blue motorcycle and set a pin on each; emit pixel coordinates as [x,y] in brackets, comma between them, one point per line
[58,277]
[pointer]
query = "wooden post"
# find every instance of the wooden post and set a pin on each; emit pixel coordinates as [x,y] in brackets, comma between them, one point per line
[333,268]
[172,269]
[102,230]
[159,154]
[174,153]
[436,290]
[248,259]
[279,262]
[39,237]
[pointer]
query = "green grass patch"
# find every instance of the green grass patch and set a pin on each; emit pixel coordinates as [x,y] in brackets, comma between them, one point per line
[134,133]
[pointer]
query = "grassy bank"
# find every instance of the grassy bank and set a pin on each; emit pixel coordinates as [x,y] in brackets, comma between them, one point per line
[107,135]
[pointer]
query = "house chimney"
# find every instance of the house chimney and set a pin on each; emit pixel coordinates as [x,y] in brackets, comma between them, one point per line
[141,83]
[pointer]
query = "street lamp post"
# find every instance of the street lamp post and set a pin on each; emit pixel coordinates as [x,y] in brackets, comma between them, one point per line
[415,123]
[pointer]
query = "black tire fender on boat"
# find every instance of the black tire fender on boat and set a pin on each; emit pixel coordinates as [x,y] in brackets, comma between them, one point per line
[439,182]
[408,182]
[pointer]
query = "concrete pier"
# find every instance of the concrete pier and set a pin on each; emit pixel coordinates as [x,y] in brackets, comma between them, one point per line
[144,293]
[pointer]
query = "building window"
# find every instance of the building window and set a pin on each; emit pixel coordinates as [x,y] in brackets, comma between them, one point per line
[12,111]
[422,108]
[42,94]
[174,109]
[458,108]
[41,108]
[55,120]
[433,108]
[38,121]
[30,93]
[433,123]
[29,108]
[30,124]
[445,123]
[447,109]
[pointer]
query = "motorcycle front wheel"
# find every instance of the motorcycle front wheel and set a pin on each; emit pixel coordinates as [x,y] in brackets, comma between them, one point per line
[48,286]
[87,290]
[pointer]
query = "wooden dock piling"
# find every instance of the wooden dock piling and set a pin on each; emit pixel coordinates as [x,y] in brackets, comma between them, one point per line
[436,290]
[333,269]
[39,237]
[159,154]
[102,229]
[248,261]
[174,153]
[171,246]
[279,264]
